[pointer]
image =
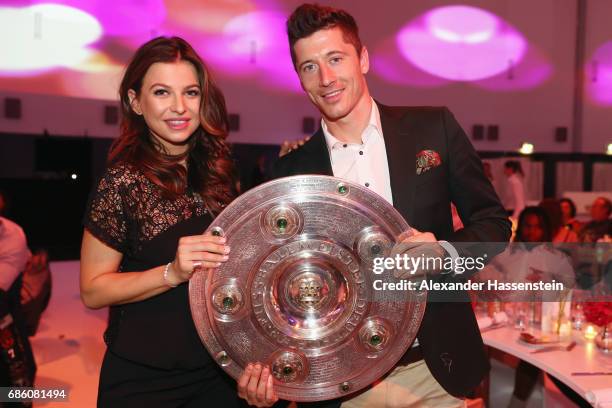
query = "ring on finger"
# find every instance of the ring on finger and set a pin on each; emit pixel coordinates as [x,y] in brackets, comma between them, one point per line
[196,266]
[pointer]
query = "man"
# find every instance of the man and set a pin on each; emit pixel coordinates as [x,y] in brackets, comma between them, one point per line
[377,146]
[514,172]
[17,366]
[600,224]
[14,252]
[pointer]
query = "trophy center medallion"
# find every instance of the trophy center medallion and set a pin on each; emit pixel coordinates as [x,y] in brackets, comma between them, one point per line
[308,291]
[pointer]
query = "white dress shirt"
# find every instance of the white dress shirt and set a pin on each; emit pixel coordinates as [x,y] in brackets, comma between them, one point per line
[363,163]
[518,195]
[14,252]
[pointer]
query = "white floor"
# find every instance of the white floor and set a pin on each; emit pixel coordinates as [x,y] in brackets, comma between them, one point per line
[68,346]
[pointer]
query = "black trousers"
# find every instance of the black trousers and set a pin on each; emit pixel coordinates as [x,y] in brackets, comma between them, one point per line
[124,383]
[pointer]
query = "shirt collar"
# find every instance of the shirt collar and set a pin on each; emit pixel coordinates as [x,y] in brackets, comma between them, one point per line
[373,123]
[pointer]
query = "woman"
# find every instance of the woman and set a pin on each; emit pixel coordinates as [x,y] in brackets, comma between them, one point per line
[514,172]
[520,261]
[561,232]
[169,174]
[568,211]
[534,228]
[539,259]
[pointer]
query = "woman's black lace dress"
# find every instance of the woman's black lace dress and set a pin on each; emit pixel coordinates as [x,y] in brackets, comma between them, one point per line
[154,356]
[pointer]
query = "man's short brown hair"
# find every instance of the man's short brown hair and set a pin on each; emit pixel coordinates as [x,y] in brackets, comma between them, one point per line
[307,19]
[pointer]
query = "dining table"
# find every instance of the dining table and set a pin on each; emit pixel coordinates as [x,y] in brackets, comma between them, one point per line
[584,367]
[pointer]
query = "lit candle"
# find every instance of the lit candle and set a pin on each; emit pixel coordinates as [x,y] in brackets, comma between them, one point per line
[565,329]
[590,333]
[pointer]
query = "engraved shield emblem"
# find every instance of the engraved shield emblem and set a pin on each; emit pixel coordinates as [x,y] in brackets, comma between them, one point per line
[298,291]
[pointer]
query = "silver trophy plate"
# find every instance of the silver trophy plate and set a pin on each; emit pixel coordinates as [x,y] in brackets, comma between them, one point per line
[297,292]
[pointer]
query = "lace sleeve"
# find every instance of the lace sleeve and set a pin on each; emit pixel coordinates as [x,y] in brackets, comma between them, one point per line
[105,217]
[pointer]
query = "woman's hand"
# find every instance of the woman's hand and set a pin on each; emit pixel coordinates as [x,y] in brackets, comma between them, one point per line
[102,285]
[256,386]
[197,252]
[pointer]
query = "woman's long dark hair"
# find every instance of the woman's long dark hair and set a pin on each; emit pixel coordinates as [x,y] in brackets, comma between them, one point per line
[540,213]
[571,205]
[210,170]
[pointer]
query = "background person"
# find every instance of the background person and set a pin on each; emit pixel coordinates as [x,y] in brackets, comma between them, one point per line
[514,172]
[561,232]
[568,212]
[17,365]
[534,227]
[600,224]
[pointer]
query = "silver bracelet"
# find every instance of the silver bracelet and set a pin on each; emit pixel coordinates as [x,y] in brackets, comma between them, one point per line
[166,280]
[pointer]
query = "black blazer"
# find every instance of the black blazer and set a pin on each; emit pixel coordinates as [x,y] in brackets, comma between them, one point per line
[449,336]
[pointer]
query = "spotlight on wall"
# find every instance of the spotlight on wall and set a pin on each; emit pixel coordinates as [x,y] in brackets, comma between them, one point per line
[526,148]
[609,149]
[73,176]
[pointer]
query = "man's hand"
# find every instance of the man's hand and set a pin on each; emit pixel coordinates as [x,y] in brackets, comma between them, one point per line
[256,386]
[414,235]
[288,146]
[416,244]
